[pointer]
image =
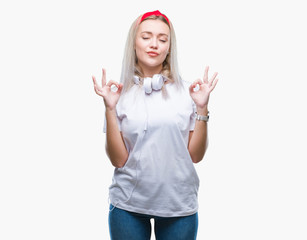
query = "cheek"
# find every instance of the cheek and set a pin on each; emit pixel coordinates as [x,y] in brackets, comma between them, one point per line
[140,44]
[139,48]
[137,51]
[165,50]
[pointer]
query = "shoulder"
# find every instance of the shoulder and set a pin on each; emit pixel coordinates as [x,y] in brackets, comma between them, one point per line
[186,85]
[181,92]
[182,84]
[128,98]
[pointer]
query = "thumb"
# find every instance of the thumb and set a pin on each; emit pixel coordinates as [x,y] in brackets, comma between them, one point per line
[120,88]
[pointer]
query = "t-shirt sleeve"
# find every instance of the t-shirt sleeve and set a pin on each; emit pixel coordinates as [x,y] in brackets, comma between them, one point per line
[193,116]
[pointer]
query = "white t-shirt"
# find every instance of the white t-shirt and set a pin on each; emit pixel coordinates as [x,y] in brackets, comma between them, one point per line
[159,177]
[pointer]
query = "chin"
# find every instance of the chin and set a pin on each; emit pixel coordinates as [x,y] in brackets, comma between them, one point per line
[152,63]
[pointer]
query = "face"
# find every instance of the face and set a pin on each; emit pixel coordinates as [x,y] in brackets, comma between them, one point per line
[152,44]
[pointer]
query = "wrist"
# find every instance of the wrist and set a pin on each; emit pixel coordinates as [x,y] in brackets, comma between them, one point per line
[202,110]
[110,110]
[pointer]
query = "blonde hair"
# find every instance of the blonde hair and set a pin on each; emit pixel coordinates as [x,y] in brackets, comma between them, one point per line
[130,67]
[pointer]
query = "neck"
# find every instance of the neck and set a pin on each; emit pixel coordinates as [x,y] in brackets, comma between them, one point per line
[150,71]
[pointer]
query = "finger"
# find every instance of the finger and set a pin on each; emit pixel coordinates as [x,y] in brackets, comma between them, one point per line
[111,82]
[94,80]
[194,85]
[120,88]
[197,81]
[214,84]
[206,74]
[103,80]
[97,91]
[213,77]
[96,86]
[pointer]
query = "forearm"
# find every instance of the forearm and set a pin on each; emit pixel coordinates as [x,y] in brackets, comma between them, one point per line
[115,146]
[199,138]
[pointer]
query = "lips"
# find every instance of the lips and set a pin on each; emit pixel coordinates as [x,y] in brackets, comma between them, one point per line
[152,54]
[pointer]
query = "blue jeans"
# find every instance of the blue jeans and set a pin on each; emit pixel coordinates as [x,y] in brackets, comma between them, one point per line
[124,225]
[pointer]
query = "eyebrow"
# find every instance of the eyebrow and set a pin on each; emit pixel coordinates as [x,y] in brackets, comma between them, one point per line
[164,34]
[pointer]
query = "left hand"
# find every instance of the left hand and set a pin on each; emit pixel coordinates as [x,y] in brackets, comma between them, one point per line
[201,97]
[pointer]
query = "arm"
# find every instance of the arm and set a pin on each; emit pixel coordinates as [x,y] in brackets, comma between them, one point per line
[198,139]
[115,146]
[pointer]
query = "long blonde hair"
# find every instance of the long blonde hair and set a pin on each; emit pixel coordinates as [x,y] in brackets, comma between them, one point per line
[130,67]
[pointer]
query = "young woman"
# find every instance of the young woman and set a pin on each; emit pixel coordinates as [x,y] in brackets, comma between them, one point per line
[156,128]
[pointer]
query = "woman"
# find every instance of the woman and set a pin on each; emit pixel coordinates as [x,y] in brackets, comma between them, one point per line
[156,128]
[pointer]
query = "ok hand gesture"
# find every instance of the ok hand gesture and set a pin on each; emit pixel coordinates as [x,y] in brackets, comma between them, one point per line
[201,97]
[110,96]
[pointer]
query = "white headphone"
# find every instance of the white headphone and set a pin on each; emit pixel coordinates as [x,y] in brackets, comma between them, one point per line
[149,84]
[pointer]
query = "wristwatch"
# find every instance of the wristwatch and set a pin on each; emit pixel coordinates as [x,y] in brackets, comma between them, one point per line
[202,118]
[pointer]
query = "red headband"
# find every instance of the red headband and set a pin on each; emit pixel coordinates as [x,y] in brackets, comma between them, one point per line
[156,13]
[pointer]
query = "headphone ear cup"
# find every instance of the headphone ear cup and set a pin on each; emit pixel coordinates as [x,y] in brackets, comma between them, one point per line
[147,85]
[157,82]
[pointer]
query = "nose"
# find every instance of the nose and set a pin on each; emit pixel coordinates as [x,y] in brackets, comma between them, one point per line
[154,43]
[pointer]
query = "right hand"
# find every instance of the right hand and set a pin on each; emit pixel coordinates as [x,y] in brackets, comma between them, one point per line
[110,97]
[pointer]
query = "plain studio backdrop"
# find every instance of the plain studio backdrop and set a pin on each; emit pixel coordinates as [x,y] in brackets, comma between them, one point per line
[54,173]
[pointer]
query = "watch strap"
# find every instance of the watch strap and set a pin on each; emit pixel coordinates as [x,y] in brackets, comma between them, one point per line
[202,118]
